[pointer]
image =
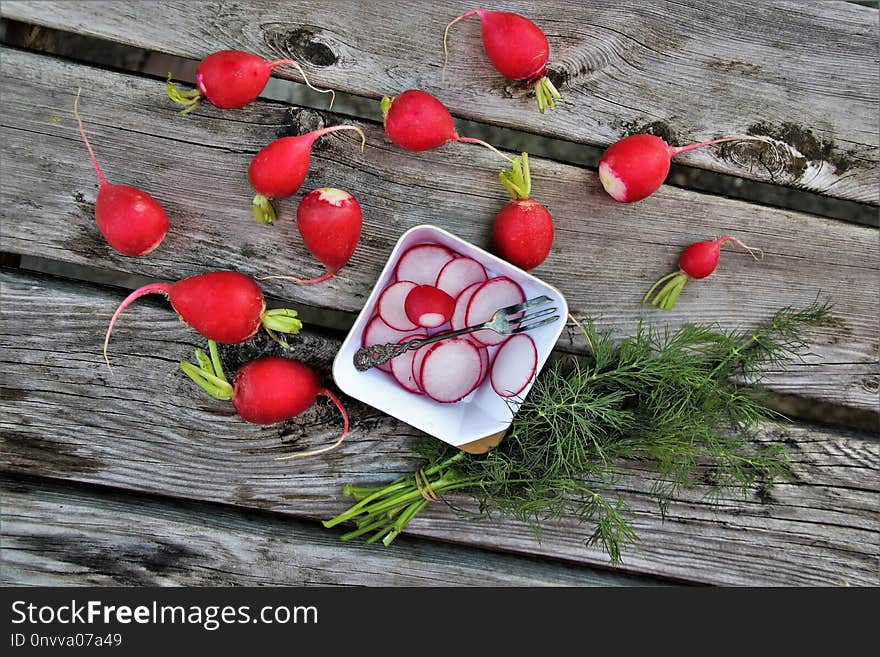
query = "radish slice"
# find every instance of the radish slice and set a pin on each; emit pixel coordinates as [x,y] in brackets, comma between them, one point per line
[378,332]
[461,304]
[417,361]
[492,295]
[514,366]
[484,362]
[428,306]
[422,263]
[450,370]
[402,367]
[391,306]
[460,273]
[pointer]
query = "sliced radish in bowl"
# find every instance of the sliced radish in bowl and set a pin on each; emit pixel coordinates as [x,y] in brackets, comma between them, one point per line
[391,306]
[461,304]
[422,263]
[378,332]
[402,367]
[428,306]
[459,274]
[494,294]
[450,370]
[514,366]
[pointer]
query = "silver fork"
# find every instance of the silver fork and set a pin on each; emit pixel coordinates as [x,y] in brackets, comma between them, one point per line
[505,321]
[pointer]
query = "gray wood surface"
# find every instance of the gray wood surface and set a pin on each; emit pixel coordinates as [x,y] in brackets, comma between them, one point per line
[146,428]
[56,534]
[803,72]
[605,255]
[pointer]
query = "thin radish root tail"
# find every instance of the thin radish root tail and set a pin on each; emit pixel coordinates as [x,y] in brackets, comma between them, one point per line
[675,150]
[301,281]
[336,128]
[446,37]
[299,68]
[672,285]
[101,179]
[154,288]
[751,249]
[189,99]
[474,140]
[546,94]
[338,442]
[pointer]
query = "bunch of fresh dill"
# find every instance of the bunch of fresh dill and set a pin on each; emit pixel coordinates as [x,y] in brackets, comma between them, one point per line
[681,399]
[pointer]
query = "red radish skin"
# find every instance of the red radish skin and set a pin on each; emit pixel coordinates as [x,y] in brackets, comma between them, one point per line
[418,359]
[132,221]
[635,167]
[224,306]
[378,332]
[517,48]
[329,221]
[494,294]
[484,363]
[265,391]
[416,121]
[695,262]
[231,79]
[279,169]
[428,306]
[514,367]
[391,306]
[459,315]
[450,370]
[402,368]
[459,274]
[422,263]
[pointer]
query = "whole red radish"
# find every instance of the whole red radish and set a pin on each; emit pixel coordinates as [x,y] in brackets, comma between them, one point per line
[517,48]
[522,232]
[696,261]
[265,391]
[131,221]
[230,79]
[634,167]
[223,305]
[428,306]
[416,121]
[329,221]
[279,169]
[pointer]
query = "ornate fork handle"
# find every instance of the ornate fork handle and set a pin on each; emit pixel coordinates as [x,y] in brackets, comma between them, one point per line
[367,357]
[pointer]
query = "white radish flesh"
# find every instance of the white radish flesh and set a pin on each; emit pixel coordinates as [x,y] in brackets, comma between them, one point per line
[402,367]
[460,273]
[492,295]
[418,359]
[461,304]
[450,370]
[484,363]
[422,263]
[391,306]
[378,332]
[514,367]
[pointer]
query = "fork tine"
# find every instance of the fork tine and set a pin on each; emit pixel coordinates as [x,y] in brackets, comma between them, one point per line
[535,325]
[537,315]
[531,303]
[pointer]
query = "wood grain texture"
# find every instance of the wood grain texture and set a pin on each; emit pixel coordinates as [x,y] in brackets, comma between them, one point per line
[146,428]
[55,534]
[801,72]
[604,258]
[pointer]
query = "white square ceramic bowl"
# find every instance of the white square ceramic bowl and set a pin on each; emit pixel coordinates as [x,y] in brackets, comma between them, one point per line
[483,412]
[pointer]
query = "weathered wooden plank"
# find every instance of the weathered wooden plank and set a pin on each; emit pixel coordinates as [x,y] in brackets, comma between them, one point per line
[786,70]
[61,535]
[146,428]
[605,257]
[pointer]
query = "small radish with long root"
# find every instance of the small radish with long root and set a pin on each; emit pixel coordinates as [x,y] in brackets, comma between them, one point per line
[696,261]
[522,232]
[265,391]
[224,306]
[280,168]
[231,79]
[132,221]
[329,221]
[416,121]
[517,48]
[634,167]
